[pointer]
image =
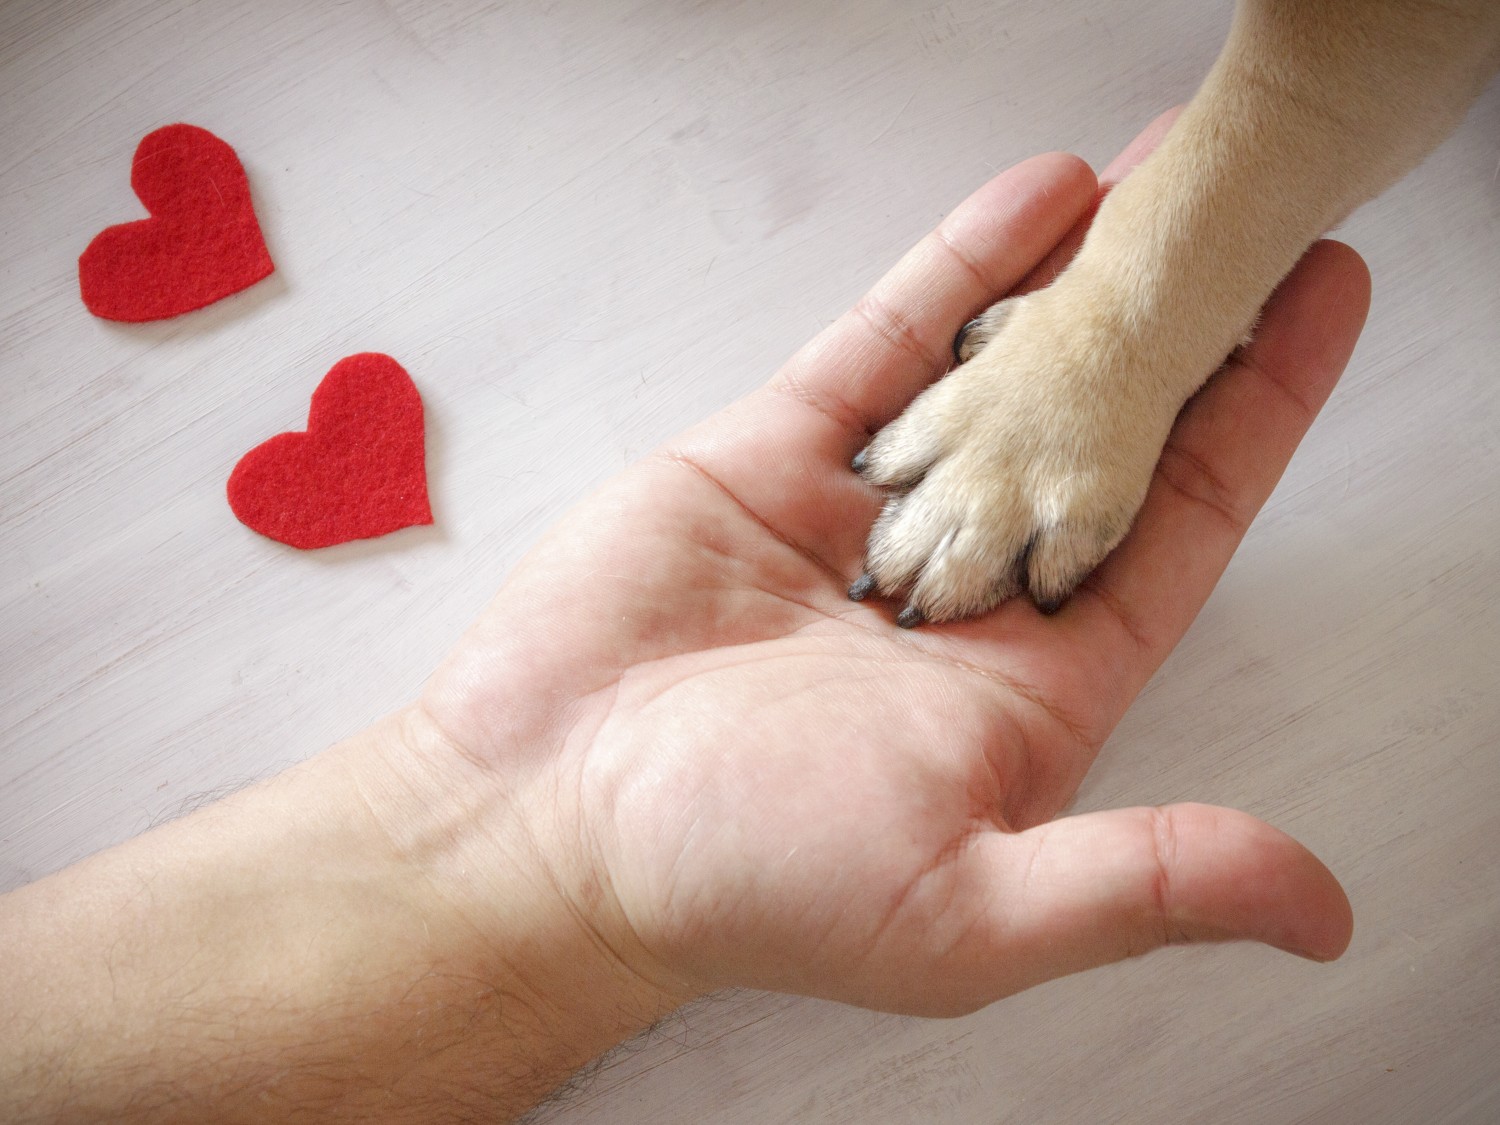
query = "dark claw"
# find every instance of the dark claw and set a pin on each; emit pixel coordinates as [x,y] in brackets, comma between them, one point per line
[861,588]
[858,464]
[1049,606]
[910,617]
[958,341]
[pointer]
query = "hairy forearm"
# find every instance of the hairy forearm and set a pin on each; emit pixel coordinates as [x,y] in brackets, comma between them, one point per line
[341,942]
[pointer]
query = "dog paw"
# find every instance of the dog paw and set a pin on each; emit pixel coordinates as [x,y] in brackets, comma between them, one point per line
[1020,470]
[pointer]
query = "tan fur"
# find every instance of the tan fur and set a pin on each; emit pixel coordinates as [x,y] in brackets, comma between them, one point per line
[1025,466]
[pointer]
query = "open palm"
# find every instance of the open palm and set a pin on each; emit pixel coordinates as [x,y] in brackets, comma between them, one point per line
[765,784]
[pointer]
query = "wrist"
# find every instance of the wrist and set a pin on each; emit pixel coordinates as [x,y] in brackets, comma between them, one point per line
[498,859]
[363,937]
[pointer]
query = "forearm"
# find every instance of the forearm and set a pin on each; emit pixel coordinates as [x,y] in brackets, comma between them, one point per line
[340,942]
[1310,110]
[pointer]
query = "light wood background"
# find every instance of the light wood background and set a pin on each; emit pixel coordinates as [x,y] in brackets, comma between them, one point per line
[582,225]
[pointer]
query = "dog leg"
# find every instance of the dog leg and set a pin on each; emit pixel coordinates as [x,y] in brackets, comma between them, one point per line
[1025,466]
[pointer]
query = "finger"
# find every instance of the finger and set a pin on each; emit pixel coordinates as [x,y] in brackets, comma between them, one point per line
[1223,459]
[866,366]
[1136,151]
[1093,889]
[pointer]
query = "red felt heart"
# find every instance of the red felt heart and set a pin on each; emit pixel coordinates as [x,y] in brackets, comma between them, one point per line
[201,244]
[359,471]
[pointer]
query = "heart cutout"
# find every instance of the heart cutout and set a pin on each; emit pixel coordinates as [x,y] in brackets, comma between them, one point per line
[201,244]
[359,470]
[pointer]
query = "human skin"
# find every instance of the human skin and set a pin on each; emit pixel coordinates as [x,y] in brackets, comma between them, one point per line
[672,757]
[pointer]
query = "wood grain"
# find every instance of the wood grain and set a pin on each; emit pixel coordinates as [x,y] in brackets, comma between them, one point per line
[583,226]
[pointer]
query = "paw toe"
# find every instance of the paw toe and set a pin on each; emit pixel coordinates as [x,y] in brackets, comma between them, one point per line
[1062,556]
[972,337]
[974,569]
[946,561]
[900,455]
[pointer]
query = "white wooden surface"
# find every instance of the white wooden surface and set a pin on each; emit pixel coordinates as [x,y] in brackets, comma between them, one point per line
[583,225]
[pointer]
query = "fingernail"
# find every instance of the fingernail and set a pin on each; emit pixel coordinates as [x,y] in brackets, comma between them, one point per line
[862,587]
[1309,955]
[910,617]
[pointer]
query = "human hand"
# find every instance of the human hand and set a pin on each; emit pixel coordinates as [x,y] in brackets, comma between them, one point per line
[673,757]
[736,776]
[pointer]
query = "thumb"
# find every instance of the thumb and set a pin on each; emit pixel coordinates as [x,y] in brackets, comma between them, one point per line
[1089,890]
